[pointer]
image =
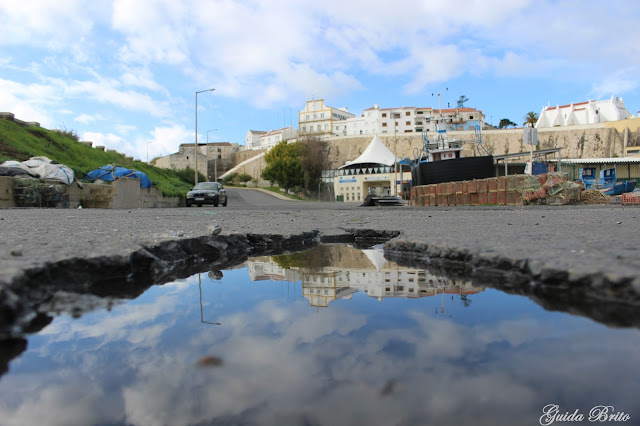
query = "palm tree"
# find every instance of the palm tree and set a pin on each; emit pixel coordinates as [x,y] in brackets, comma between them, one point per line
[531,118]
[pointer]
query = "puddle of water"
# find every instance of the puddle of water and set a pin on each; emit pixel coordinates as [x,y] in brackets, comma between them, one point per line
[334,335]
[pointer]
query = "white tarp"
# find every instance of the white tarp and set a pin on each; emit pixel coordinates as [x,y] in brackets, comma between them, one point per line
[376,153]
[45,168]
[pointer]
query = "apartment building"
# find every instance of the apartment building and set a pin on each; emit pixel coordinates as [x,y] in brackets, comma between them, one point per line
[318,119]
[403,120]
[252,139]
[274,137]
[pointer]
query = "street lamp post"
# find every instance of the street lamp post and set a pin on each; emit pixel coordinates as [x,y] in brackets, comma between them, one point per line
[148,142]
[215,172]
[196,145]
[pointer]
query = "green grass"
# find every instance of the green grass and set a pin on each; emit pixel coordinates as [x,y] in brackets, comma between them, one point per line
[21,143]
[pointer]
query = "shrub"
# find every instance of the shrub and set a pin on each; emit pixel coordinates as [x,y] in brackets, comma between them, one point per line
[243,178]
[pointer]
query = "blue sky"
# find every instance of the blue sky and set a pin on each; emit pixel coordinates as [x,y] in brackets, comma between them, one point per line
[124,73]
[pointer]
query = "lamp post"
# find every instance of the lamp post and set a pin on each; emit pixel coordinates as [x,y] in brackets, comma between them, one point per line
[196,145]
[148,142]
[215,158]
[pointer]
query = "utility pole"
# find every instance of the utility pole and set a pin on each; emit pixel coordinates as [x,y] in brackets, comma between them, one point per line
[196,145]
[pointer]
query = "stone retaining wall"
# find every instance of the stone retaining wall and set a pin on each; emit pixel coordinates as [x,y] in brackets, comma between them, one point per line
[124,193]
[551,188]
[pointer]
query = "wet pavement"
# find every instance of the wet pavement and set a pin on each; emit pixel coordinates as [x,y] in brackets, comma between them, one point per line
[581,240]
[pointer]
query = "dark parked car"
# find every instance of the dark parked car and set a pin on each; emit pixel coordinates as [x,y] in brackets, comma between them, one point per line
[207,193]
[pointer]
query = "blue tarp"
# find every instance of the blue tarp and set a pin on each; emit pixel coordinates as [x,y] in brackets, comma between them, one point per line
[110,173]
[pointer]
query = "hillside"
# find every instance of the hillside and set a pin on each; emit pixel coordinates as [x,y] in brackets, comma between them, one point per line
[23,142]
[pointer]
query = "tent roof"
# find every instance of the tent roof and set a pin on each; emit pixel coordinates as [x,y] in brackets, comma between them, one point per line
[376,153]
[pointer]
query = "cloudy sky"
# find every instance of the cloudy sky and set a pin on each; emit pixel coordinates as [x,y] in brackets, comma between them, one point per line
[124,73]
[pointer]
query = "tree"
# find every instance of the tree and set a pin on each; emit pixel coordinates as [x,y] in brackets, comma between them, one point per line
[313,160]
[531,118]
[284,166]
[505,122]
[461,101]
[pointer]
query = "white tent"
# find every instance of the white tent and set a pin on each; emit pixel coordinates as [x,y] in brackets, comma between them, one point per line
[376,153]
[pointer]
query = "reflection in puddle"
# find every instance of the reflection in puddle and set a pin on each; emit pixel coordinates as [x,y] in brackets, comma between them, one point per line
[379,345]
[336,272]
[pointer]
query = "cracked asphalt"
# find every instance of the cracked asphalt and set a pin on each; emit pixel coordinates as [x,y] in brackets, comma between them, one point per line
[581,240]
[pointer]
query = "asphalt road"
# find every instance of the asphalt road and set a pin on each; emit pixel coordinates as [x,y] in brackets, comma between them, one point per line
[581,240]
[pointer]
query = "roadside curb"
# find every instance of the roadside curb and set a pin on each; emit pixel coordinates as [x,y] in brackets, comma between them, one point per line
[282,197]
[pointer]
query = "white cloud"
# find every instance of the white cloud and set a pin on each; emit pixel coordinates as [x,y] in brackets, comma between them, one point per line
[106,90]
[45,23]
[143,78]
[86,118]
[166,139]
[622,81]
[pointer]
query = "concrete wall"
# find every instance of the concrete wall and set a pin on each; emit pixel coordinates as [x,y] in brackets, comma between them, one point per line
[596,140]
[6,192]
[124,193]
[241,156]
[207,154]
[253,168]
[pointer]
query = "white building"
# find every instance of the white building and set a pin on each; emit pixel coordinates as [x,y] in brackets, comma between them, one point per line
[318,119]
[252,140]
[590,112]
[273,137]
[403,120]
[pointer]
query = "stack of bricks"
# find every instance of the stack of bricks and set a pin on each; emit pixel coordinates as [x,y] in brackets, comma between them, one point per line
[501,191]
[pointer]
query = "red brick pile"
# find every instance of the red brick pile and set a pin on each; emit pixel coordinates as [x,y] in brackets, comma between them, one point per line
[551,188]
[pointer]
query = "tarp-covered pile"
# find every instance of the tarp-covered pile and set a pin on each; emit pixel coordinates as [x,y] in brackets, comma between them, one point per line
[111,172]
[38,167]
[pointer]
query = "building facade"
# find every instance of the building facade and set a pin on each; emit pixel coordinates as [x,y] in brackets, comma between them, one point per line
[590,112]
[318,119]
[252,139]
[274,137]
[213,158]
[376,121]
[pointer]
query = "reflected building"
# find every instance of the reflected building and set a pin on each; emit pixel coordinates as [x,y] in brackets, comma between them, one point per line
[265,269]
[336,272]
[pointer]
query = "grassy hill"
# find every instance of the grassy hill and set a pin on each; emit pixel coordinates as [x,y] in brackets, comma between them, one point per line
[21,143]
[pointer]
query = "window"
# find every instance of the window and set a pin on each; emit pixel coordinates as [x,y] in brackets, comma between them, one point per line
[407,123]
[408,131]
[384,114]
[322,115]
[384,124]
[471,117]
[419,112]
[408,114]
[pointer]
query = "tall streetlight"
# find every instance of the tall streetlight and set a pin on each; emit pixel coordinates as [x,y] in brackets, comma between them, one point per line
[148,142]
[196,146]
[215,158]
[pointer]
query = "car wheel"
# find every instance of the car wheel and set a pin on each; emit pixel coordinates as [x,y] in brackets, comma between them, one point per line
[225,203]
[188,204]
[215,204]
